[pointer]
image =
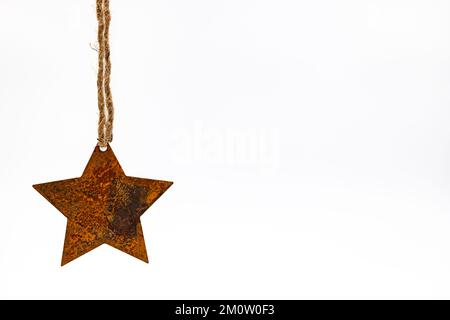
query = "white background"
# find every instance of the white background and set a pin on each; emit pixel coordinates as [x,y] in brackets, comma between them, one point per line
[309,143]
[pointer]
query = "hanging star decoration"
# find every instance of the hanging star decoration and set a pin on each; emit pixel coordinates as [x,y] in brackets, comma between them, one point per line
[103,206]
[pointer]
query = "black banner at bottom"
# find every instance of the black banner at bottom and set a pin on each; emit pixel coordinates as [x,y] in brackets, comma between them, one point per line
[230,309]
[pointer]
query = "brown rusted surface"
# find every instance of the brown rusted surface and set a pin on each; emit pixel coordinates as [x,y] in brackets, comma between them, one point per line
[103,206]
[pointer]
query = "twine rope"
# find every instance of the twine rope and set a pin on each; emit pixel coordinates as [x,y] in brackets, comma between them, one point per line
[105,101]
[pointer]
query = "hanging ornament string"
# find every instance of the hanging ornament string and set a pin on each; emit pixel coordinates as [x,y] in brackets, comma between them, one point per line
[105,102]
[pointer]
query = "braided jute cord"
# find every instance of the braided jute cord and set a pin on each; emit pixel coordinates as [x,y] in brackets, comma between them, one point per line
[105,102]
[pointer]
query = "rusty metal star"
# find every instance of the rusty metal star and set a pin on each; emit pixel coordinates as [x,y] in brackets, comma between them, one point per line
[103,206]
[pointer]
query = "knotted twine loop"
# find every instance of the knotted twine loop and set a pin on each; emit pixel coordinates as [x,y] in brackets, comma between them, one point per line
[105,102]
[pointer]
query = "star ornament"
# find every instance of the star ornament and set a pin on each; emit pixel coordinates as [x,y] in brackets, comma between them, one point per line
[103,206]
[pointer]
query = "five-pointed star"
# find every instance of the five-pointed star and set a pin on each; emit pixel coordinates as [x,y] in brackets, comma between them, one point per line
[103,206]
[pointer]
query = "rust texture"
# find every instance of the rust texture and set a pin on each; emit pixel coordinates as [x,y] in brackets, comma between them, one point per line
[103,206]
